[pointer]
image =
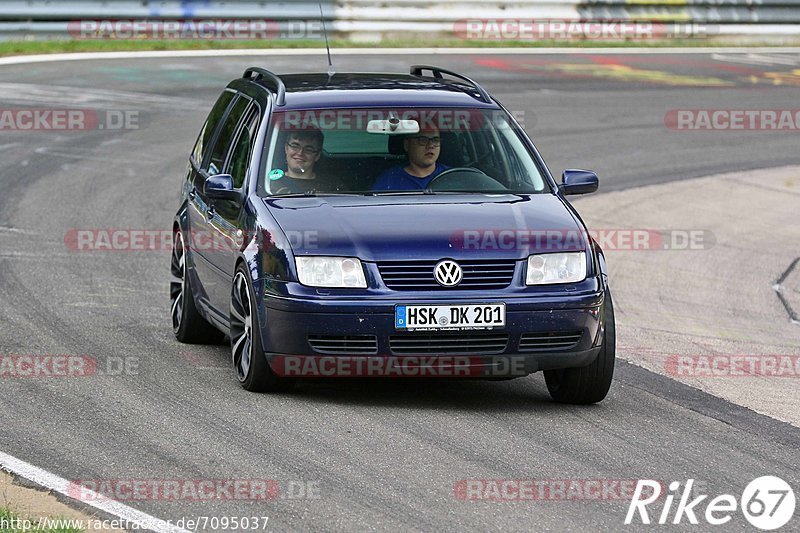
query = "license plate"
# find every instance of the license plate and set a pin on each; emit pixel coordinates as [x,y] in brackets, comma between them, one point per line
[457,317]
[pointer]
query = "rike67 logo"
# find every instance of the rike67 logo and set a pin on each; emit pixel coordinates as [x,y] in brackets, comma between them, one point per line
[767,502]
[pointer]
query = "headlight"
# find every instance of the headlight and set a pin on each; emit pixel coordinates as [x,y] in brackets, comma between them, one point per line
[544,269]
[330,272]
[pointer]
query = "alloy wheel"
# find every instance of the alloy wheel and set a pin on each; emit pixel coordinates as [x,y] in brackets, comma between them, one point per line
[241,327]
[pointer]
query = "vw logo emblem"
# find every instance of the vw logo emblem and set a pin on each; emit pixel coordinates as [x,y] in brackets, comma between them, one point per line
[448,273]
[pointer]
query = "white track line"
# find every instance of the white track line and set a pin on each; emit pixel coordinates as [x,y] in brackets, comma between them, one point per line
[61,485]
[45,58]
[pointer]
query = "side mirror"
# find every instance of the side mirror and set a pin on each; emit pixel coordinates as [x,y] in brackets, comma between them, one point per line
[220,187]
[577,181]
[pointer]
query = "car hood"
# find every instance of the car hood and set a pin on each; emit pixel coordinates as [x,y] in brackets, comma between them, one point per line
[393,227]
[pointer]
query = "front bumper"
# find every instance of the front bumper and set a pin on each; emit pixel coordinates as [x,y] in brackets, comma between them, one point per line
[289,322]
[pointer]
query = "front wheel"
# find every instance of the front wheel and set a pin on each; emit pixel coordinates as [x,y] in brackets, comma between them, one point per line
[587,384]
[247,352]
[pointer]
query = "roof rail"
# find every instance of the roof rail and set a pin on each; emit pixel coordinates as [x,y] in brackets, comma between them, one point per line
[416,70]
[260,73]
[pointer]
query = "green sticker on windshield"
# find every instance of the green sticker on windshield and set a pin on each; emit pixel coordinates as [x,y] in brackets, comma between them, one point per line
[275,174]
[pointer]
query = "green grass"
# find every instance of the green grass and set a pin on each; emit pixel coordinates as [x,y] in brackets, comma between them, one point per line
[59,46]
[9,518]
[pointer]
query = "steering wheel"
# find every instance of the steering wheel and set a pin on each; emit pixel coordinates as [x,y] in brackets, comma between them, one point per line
[283,189]
[464,179]
[480,158]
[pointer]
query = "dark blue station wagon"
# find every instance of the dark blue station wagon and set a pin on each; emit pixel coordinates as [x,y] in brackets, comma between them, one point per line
[386,225]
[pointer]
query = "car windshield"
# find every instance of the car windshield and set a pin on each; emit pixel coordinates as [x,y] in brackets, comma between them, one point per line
[396,151]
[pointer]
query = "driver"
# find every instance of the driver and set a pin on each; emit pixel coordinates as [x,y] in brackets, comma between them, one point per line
[423,151]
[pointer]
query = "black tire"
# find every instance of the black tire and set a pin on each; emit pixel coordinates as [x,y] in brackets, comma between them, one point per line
[247,352]
[587,384]
[187,324]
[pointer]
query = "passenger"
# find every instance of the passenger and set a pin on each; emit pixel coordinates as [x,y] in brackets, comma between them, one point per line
[423,152]
[303,150]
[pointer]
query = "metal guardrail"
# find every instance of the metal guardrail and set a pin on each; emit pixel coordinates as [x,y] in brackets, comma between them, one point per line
[50,18]
[35,10]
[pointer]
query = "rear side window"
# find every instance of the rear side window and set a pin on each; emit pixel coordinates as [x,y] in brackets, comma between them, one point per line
[206,134]
[225,137]
[237,166]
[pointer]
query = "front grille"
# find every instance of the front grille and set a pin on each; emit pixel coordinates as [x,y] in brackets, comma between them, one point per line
[418,275]
[550,340]
[344,344]
[458,343]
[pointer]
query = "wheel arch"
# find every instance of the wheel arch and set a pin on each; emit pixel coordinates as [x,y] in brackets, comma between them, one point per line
[601,262]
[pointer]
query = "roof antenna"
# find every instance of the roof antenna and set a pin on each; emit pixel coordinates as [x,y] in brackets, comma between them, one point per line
[331,72]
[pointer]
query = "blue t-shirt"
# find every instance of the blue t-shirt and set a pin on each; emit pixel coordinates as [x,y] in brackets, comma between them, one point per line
[397,179]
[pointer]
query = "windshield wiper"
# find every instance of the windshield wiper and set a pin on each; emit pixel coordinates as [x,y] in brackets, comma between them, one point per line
[403,193]
[312,193]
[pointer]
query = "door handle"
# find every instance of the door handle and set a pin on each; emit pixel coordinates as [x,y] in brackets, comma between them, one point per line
[210,212]
[192,194]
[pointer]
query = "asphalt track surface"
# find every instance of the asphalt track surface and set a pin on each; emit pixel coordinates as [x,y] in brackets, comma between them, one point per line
[381,455]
